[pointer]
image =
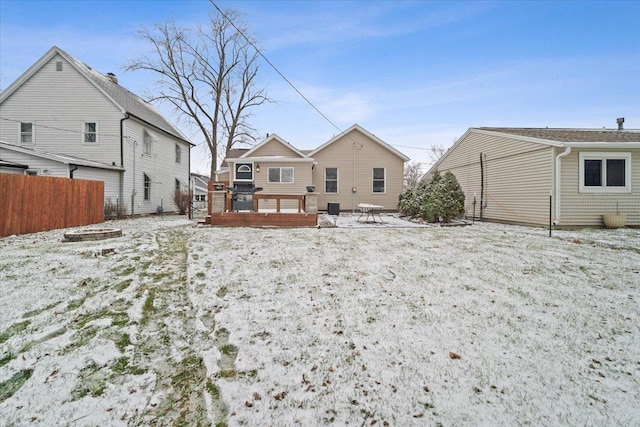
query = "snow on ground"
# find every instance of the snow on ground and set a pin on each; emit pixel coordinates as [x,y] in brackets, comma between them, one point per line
[361,324]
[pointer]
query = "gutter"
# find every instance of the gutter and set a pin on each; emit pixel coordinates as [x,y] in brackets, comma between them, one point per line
[557,190]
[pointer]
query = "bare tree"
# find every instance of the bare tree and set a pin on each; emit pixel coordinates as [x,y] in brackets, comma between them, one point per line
[209,76]
[435,152]
[412,173]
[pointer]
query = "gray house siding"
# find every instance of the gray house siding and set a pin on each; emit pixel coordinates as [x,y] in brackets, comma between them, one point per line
[518,177]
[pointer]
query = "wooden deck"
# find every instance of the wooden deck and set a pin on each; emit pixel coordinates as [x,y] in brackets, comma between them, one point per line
[263,219]
[257,217]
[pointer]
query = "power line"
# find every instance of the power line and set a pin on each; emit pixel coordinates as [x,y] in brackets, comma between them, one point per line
[273,66]
[263,56]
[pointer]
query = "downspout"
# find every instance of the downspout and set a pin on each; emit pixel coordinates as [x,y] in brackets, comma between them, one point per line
[558,176]
[353,185]
[75,168]
[121,192]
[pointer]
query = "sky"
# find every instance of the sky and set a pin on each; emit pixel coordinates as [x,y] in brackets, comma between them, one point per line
[417,74]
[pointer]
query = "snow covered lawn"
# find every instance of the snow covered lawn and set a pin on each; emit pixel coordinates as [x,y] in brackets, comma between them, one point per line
[480,325]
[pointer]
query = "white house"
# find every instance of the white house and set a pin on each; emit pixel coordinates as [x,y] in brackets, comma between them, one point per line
[63,118]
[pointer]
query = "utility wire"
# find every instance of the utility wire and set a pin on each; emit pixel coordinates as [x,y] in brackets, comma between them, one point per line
[273,66]
[263,56]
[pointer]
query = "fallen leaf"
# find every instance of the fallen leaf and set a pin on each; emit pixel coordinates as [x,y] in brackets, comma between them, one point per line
[453,355]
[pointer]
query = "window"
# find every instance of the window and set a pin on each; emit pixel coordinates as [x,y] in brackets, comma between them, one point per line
[26,133]
[331,180]
[147,187]
[378,180]
[243,171]
[280,175]
[605,172]
[90,132]
[178,154]
[58,65]
[177,184]
[146,142]
[201,198]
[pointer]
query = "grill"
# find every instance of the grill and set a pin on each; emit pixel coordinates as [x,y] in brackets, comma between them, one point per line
[243,196]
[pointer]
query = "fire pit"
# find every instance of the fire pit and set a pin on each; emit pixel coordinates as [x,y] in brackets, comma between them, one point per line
[92,234]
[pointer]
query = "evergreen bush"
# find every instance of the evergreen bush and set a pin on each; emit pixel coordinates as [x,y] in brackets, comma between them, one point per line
[440,199]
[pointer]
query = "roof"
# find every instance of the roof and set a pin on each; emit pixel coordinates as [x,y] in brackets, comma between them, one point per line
[558,137]
[233,153]
[363,131]
[127,101]
[8,164]
[572,135]
[62,158]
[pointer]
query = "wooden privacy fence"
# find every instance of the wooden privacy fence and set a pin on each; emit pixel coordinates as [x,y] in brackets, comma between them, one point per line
[29,204]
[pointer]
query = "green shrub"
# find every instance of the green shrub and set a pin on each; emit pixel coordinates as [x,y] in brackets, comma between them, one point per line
[440,199]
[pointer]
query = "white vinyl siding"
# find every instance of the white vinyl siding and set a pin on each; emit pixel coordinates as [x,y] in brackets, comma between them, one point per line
[73,101]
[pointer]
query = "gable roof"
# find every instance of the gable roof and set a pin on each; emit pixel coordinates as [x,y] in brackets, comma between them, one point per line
[366,133]
[571,135]
[557,137]
[127,101]
[269,139]
[62,158]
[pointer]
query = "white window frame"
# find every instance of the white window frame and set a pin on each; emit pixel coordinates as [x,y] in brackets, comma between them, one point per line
[604,156]
[280,169]
[147,142]
[373,180]
[178,154]
[32,133]
[238,166]
[85,133]
[337,181]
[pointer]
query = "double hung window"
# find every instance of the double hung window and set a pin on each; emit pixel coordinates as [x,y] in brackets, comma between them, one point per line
[90,132]
[331,180]
[379,180]
[26,133]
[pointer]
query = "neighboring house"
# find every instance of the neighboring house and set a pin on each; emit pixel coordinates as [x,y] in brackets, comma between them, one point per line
[200,188]
[63,118]
[514,174]
[352,168]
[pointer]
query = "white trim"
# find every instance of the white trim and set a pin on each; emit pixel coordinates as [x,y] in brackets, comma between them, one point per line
[373,179]
[601,155]
[85,133]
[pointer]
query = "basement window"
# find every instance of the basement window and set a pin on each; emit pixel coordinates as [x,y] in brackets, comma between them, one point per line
[605,172]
